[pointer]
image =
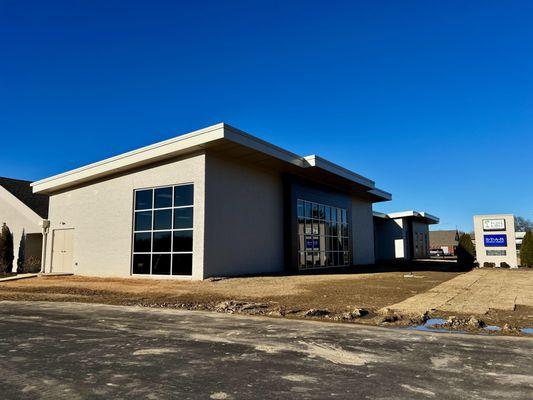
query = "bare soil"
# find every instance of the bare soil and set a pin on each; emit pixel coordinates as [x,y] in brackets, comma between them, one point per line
[335,292]
[330,296]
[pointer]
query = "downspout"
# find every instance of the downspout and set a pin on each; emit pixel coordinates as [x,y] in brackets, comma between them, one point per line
[45,225]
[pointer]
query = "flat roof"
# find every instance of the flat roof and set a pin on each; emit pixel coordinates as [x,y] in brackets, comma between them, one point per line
[215,136]
[428,218]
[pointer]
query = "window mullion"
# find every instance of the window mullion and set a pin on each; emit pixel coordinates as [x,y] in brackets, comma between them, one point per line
[185,195]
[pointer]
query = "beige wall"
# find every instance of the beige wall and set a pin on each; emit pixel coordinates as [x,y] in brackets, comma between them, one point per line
[420,228]
[362,232]
[18,217]
[101,215]
[238,218]
[390,238]
[481,250]
[244,219]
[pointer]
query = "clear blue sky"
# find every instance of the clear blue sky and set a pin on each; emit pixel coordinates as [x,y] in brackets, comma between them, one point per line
[431,99]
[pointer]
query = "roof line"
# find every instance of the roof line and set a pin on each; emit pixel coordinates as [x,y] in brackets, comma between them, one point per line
[131,153]
[317,161]
[192,140]
[286,155]
[20,205]
[405,214]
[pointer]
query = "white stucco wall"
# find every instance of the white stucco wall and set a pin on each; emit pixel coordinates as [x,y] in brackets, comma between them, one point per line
[18,217]
[390,238]
[394,235]
[362,232]
[420,228]
[481,251]
[244,219]
[101,214]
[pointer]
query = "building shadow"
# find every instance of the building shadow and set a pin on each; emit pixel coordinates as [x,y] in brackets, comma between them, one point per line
[406,266]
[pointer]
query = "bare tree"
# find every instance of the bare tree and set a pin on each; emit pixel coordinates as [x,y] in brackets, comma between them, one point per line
[522,224]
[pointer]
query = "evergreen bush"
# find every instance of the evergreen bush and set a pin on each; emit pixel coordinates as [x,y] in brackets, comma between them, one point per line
[526,251]
[465,251]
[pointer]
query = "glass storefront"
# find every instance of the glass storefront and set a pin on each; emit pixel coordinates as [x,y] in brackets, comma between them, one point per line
[323,235]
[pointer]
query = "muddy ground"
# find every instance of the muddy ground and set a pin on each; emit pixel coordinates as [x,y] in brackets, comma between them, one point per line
[346,296]
[91,351]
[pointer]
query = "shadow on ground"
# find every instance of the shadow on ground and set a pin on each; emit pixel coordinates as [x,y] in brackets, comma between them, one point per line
[437,265]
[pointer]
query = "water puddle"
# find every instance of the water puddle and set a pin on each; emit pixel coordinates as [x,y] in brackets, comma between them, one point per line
[430,326]
[493,328]
[439,325]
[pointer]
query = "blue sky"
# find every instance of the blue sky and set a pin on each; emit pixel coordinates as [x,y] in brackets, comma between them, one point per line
[431,99]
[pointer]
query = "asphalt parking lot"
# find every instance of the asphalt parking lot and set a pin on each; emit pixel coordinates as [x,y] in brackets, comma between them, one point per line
[86,351]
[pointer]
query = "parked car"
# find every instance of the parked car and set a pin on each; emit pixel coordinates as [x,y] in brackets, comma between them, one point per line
[436,253]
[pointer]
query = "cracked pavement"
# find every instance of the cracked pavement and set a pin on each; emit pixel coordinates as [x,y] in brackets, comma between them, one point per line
[476,292]
[88,351]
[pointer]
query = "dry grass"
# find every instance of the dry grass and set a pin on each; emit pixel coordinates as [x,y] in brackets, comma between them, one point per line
[335,292]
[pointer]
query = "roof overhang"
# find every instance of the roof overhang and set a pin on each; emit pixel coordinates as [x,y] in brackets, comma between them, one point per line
[225,139]
[23,210]
[419,215]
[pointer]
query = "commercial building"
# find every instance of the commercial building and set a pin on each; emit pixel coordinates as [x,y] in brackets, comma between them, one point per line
[23,212]
[213,202]
[402,235]
[446,240]
[495,240]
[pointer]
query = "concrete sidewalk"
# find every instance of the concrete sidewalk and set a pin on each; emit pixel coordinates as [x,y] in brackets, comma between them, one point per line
[18,277]
[475,292]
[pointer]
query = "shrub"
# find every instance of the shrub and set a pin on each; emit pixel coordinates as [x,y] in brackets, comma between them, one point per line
[21,260]
[465,251]
[6,250]
[32,265]
[489,265]
[526,251]
[503,264]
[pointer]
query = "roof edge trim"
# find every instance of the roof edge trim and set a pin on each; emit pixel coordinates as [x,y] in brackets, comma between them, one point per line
[431,219]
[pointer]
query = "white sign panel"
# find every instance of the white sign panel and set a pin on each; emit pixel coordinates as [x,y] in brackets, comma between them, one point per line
[494,224]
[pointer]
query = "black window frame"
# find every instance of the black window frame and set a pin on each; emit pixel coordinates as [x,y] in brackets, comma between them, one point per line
[188,255]
[333,235]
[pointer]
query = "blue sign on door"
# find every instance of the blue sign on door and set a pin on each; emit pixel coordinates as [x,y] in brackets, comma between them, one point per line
[311,243]
[495,240]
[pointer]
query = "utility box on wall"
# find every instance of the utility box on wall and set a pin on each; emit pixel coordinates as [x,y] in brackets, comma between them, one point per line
[495,239]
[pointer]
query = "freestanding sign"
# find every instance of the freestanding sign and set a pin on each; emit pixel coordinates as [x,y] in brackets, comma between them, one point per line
[495,240]
[494,224]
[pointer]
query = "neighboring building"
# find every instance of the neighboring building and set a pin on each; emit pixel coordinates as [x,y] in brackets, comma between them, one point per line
[213,202]
[23,212]
[519,237]
[402,235]
[447,240]
[495,239]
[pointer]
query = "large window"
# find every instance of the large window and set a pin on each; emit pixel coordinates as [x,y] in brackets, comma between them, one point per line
[163,231]
[323,236]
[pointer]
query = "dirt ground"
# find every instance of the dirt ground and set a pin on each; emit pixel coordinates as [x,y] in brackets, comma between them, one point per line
[331,296]
[334,292]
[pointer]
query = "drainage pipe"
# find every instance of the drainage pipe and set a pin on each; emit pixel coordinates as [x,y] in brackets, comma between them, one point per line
[45,225]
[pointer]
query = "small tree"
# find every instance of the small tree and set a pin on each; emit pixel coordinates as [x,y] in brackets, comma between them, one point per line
[6,249]
[465,251]
[10,251]
[2,249]
[522,224]
[526,250]
[21,260]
